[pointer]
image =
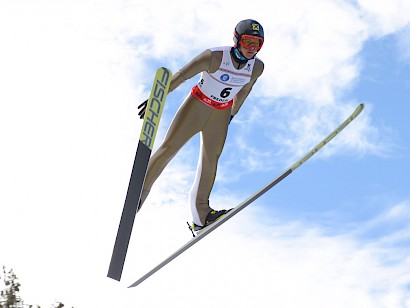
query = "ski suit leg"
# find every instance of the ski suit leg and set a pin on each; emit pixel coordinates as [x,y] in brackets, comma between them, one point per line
[188,121]
[213,137]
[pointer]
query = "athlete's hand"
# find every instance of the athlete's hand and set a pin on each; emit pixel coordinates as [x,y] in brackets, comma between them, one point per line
[142,109]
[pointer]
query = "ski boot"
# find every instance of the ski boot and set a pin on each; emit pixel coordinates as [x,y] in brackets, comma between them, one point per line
[212,216]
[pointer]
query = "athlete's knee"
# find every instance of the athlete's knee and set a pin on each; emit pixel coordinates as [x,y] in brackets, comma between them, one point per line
[213,158]
[169,147]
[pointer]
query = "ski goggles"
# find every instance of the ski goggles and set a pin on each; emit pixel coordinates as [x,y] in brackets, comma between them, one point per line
[249,41]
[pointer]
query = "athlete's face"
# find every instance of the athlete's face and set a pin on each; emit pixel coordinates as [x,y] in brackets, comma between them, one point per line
[249,45]
[248,53]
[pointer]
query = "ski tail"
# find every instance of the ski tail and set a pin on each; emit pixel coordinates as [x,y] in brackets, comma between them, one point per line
[149,129]
[252,198]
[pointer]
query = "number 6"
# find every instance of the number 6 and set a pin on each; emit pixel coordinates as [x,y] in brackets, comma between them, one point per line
[225,92]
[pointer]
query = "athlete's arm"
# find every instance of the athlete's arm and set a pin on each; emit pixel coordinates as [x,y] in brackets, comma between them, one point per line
[244,92]
[206,61]
[200,63]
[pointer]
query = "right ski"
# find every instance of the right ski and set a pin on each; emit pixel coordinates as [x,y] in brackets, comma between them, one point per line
[252,198]
[149,129]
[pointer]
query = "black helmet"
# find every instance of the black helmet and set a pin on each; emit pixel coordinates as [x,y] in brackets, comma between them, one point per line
[247,26]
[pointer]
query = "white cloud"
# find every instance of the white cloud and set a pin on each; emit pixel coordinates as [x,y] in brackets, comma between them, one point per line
[383,17]
[311,55]
[404,44]
[392,222]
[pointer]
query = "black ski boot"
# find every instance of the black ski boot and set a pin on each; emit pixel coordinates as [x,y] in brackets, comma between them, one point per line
[212,216]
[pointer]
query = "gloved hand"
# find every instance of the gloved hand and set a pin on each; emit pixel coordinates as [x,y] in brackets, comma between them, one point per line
[142,108]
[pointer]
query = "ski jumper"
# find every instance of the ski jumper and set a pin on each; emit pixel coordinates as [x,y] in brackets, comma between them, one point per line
[220,92]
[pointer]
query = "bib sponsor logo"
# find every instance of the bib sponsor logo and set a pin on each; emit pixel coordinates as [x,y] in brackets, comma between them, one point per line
[238,80]
[224,77]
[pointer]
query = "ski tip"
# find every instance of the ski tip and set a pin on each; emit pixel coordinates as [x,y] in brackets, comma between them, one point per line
[358,110]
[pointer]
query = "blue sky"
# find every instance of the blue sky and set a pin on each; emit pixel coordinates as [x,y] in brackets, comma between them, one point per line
[333,234]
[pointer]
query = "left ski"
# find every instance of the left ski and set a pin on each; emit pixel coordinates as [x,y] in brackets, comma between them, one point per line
[204,232]
[149,130]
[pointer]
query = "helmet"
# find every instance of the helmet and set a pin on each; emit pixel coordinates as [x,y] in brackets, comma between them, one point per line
[247,26]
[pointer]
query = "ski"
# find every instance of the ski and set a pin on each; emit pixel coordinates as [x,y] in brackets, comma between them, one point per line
[252,198]
[149,129]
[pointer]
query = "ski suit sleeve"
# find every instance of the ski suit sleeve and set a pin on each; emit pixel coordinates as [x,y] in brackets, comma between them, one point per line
[200,63]
[244,92]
